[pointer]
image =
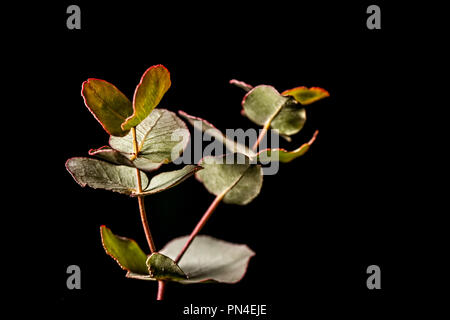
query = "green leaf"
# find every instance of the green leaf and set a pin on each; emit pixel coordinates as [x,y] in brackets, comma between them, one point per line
[232,175]
[167,180]
[161,136]
[161,267]
[283,155]
[206,260]
[290,120]
[111,155]
[210,130]
[153,85]
[126,252]
[108,105]
[99,174]
[210,259]
[306,95]
[263,103]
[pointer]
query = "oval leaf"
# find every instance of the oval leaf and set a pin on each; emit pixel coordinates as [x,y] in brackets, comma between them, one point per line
[126,252]
[306,95]
[240,180]
[167,180]
[161,136]
[108,105]
[262,103]
[104,175]
[206,260]
[290,120]
[153,85]
[210,259]
[162,267]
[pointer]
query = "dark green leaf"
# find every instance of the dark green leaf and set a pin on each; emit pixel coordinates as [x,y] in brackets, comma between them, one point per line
[233,175]
[161,267]
[126,252]
[108,105]
[104,175]
[153,85]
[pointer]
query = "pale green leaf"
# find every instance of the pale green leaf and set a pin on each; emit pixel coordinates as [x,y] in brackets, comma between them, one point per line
[100,174]
[232,174]
[206,260]
[290,120]
[111,155]
[264,103]
[161,136]
[166,180]
[210,259]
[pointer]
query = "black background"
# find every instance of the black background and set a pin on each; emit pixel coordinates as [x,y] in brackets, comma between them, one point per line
[316,226]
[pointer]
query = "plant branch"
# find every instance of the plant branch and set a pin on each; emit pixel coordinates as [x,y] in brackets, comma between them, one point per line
[262,134]
[142,212]
[266,128]
[219,198]
[212,207]
[200,224]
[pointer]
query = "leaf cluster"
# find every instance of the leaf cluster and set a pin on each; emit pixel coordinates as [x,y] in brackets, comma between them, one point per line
[142,140]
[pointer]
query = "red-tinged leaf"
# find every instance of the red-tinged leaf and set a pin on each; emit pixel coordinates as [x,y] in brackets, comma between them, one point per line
[283,155]
[306,95]
[126,252]
[108,105]
[153,85]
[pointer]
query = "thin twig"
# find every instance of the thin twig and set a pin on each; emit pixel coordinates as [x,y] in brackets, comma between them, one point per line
[142,212]
[200,225]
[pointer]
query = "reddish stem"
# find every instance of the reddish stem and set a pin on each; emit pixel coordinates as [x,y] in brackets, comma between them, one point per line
[161,289]
[148,234]
[200,225]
